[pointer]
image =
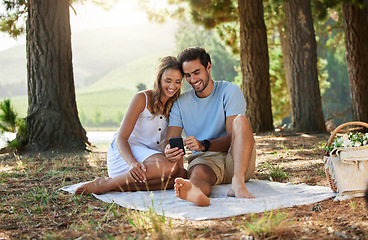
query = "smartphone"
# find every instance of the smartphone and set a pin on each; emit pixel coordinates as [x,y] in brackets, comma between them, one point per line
[177,142]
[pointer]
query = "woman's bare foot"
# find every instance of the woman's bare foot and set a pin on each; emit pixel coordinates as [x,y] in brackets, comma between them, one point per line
[187,191]
[239,190]
[91,187]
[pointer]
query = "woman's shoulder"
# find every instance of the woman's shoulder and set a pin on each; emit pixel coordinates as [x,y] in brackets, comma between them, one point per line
[143,95]
[139,99]
[143,99]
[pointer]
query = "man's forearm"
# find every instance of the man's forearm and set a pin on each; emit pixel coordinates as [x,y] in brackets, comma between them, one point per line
[221,144]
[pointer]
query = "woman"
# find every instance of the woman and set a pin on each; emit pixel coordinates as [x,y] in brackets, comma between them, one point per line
[135,159]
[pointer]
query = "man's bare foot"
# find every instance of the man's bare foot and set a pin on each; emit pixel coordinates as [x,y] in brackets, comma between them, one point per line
[239,190]
[187,191]
[91,187]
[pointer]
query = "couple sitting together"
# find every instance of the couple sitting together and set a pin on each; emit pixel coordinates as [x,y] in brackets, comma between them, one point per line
[212,115]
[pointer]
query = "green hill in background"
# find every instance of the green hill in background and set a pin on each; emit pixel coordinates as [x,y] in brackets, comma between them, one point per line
[97,52]
[108,65]
[129,75]
[13,71]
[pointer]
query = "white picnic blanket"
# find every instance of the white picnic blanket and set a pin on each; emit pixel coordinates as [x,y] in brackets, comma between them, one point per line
[269,195]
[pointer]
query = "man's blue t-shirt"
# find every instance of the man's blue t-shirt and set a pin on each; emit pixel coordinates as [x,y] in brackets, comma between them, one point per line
[205,118]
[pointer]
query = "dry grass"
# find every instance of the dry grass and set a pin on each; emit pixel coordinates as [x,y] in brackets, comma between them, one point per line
[33,207]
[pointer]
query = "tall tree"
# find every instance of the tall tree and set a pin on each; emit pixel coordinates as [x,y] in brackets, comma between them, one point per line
[356,41]
[305,94]
[255,64]
[52,119]
[280,73]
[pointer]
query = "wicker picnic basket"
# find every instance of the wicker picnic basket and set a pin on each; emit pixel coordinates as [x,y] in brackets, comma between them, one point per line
[347,168]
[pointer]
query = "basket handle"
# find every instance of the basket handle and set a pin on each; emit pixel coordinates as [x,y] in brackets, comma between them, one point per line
[333,134]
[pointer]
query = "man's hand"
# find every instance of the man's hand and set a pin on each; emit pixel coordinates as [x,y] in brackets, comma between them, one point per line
[192,144]
[173,154]
[137,171]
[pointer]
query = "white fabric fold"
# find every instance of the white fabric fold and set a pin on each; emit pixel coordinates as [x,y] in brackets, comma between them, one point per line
[269,195]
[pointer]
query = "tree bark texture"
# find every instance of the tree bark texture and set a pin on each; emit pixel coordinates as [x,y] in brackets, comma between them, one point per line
[306,106]
[52,119]
[356,41]
[254,62]
[285,55]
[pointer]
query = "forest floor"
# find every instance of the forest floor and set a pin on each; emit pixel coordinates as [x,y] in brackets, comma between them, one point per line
[33,207]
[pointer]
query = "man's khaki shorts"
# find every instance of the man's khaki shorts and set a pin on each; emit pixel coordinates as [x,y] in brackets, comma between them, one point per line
[222,164]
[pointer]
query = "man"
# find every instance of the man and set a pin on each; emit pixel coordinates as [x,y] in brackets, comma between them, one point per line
[220,136]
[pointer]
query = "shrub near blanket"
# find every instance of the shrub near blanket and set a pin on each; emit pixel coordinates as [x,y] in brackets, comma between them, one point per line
[346,162]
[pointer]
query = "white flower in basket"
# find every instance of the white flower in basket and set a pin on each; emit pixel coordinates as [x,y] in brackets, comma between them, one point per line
[346,162]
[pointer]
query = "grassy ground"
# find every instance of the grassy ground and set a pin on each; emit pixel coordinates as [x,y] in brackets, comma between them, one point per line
[33,207]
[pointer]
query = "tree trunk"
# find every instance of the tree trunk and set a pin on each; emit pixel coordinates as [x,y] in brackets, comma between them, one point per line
[306,104]
[254,63]
[285,56]
[52,119]
[356,41]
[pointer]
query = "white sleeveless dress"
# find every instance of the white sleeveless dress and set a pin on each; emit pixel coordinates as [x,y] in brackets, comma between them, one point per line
[146,139]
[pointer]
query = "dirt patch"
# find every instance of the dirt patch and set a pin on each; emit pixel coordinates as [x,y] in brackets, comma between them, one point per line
[33,207]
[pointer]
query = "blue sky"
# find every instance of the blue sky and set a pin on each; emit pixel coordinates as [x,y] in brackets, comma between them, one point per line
[89,16]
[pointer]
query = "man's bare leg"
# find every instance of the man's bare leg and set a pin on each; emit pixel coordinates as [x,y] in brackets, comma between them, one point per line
[158,175]
[239,190]
[198,187]
[241,151]
[187,191]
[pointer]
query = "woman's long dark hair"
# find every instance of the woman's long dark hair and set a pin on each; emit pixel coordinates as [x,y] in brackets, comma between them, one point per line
[157,107]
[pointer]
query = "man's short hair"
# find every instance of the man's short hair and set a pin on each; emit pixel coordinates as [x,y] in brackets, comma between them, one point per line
[194,53]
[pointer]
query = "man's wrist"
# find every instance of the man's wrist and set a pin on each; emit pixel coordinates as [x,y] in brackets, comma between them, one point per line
[206,144]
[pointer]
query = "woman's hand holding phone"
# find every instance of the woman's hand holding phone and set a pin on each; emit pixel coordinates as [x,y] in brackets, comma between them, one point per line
[175,150]
[176,142]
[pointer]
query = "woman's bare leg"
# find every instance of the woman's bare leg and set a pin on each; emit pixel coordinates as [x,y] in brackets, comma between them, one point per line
[158,176]
[151,185]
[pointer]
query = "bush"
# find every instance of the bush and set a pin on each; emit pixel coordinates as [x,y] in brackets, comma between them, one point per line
[9,122]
